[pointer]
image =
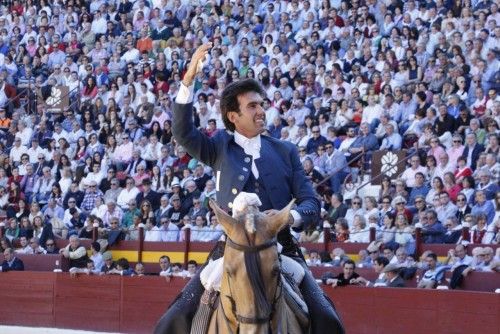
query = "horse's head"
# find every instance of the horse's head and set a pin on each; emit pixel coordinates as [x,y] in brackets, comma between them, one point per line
[250,285]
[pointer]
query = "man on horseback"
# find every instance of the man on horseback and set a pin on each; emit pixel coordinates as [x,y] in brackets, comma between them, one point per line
[246,161]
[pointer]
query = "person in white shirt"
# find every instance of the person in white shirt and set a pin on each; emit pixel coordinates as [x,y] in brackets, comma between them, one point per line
[24,133]
[151,232]
[409,174]
[458,257]
[35,151]
[131,55]
[17,151]
[153,149]
[128,193]
[168,232]
[99,24]
[95,176]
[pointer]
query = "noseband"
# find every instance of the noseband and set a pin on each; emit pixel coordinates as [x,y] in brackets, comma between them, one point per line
[248,250]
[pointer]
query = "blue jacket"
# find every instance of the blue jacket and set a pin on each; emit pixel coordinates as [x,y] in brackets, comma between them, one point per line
[16,265]
[279,169]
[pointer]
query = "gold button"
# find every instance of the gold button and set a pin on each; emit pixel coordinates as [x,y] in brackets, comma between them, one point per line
[247,159]
[256,184]
[241,177]
[256,191]
[235,191]
[230,205]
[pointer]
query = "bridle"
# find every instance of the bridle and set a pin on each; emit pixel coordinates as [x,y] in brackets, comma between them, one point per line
[247,250]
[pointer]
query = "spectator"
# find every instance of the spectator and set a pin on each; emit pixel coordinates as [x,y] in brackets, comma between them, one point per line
[432,276]
[109,264]
[393,279]
[483,206]
[35,248]
[11,262]
[314,259]
[432,229]
[75,252]
[51,247]
[379,264]
[165,266]
[347,277]
[458,257]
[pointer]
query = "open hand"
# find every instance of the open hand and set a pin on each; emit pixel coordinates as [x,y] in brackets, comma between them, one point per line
[194,68]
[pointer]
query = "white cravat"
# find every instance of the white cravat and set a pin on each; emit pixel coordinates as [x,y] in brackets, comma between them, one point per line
[251,146]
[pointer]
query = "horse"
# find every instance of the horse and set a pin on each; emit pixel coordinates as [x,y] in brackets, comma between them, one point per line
[251,291]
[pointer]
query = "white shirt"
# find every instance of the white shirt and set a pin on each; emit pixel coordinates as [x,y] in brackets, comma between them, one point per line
[125,197]
[251,146]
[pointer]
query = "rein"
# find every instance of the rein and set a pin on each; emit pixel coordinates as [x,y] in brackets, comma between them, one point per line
[251,250]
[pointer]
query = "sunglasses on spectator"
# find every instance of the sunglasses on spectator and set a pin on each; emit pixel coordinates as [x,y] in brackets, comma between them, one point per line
[356,203]
[49,245]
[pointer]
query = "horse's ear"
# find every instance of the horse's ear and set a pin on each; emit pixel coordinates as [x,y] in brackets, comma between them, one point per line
[224,219]
[277,222]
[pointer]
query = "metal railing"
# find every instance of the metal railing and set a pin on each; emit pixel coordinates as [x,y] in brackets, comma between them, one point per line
[329,176]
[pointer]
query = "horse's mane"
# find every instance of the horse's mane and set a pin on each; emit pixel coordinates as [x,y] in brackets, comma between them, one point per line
[252,264]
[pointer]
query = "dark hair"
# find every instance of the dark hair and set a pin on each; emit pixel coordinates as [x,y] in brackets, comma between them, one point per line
[229,100]
[432,255]
[382,260]
[123,263]
[165,257]
[96,246]
[349,261]
[471,181]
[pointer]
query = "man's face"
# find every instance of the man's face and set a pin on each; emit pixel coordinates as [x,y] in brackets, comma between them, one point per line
[7,255]
[348,270]
[23,241]
[374,254]
[74,242]
[164,263]
[430,220]
[419,179]
[431,262]
[401,256]
[251,120]
[460,251]
[388,254]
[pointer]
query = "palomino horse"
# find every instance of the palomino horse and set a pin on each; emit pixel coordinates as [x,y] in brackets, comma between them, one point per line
[251,292]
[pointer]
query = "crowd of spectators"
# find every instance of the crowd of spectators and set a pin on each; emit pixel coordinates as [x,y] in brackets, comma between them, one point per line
[397,268]
[343,79]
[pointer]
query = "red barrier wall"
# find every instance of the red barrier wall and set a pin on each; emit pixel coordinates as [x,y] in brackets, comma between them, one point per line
[134,304]
[386,310]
